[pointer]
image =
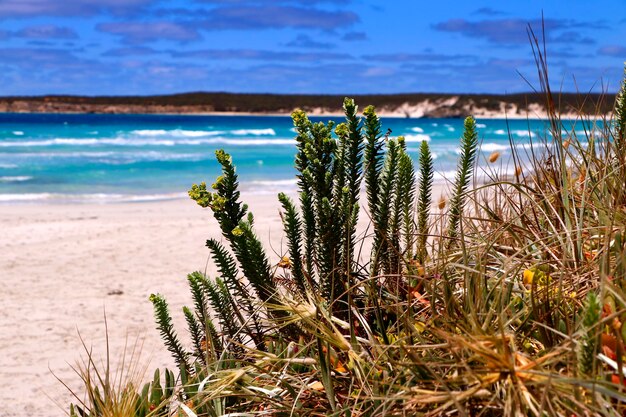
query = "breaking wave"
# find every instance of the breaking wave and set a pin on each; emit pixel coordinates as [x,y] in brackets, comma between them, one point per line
[416,138]
[17,178]
[145,142]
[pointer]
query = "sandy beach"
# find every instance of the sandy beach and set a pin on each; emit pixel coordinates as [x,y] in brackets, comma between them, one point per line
[62,266]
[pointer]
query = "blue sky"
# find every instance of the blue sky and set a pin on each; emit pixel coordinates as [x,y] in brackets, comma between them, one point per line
[119,47]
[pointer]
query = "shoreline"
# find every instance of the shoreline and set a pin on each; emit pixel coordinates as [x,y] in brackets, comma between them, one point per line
[382,114]
[399,105]
[116,199]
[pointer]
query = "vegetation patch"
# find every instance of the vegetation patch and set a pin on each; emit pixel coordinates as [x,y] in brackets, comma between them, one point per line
[507,299]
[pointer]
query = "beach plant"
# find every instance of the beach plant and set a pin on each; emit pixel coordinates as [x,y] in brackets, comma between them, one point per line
[425,201]
[507,300]
[117,391]
[345,335]
[469,147]
[588,348]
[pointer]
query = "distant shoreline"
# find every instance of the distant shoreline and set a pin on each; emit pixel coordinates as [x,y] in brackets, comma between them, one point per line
[513,106]
[496,116]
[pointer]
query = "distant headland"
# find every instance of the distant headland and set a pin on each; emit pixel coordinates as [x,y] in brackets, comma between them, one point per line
[419,105]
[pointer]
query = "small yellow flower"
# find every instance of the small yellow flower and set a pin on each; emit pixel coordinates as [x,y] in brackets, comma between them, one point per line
[299,117]
[285,262]
[369,111]
[538,274]
[527,277]
[200,195]
[342,130]
[419,326]
[217,182]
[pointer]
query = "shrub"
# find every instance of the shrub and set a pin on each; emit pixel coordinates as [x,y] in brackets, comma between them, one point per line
[510,301]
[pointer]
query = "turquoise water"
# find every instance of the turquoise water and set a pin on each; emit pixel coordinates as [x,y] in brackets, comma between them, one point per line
[112,158]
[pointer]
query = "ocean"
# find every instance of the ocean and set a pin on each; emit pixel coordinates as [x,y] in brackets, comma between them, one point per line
[101,158]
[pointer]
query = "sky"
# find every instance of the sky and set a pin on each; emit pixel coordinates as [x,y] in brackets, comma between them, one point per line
[145,47]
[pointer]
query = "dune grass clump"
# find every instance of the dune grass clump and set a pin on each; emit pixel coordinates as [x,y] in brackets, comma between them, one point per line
[508,300]
[113,391]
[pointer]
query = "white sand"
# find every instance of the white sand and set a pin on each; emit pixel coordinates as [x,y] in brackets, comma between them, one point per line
[60,266]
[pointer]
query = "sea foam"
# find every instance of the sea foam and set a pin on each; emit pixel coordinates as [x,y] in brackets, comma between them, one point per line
[120,141]
[416,138]
[17,178]
[519,133]
[176,133]
[492,147]
[254,132]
